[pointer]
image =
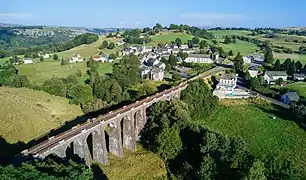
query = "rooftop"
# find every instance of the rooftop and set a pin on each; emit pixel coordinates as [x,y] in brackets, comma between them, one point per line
[156,70]
[200,55]
[253,68]
[293,96]
[276,73]
[228,76]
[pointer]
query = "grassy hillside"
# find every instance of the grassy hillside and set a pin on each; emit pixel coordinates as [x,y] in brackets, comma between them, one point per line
[220,34]
[300,87]
[27,114]
[142,164]
[262,134]
[88,50]
[243,47]
[42,71]
[283,56]
[168,37]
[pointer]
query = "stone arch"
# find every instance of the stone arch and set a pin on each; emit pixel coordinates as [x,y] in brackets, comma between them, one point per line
[70,150]
[114,135]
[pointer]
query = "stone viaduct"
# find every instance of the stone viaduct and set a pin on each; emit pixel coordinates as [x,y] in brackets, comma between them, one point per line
[109,133]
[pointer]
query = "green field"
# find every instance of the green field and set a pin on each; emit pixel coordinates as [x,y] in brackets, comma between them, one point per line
[220,34]
[170,37]
[42,71]
[87,50]
[263,135]
[243,47]
[300,87]
[27,114]
[283,56]
[141,164]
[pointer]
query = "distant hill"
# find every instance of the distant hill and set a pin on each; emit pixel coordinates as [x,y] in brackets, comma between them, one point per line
[27,114]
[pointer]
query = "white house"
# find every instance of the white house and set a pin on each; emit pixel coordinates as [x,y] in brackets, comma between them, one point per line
[247,60]
[152,62]
[120,43]
[299,77]
[188,51]
[28,61]
[290,97]
[175,50]
[99,58]
[199,58]
[146,49]
[157,74]
[227,83]
[184,46]
[253,71]
[271,76]
[76,58]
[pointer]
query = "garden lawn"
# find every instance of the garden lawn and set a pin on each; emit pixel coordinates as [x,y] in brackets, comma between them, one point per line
[39,72]
[26,114]
[141,164]
[243,47]
[300,87]
[263,135]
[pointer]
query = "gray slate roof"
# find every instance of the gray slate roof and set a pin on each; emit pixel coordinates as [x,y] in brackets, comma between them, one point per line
[228,76]
[276,73]
[253,68]
[293,96]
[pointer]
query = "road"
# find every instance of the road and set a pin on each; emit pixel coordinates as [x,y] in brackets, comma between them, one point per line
[241,85]
[53,141]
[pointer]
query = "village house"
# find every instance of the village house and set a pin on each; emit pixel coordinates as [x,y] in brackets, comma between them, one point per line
[157,74]
[271,76]
[253,71]
[188,51]
[290,97]
[199,58]
[120,43]
[101,58]
[146,49]
[226,88]
[227,83]
[28,61]
[152,62]
[247,60]
[258,58]
[299,77]
[175,50]
[76,58]
[184,46]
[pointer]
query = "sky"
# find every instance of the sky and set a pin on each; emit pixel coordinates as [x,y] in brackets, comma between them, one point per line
[146,13]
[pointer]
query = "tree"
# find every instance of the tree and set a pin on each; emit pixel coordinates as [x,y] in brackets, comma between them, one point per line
[190,43]
[269,55]
[104,45]
[116,92]
[255,83]
[195,40]
[111,45]
[298,66]
[112,56]
[277,65]
[93,106]
[159,26]
[41,59]
[292,68]
[80,94]
[257,172]
[238,63]
[207,168]
[48,169]
[169,143]
[182,55]
[55,57]
[172,60]
[230,53]
[285,66]
[178,42]
[20,81]
[176,77]
[199,98]
[279,81]
[227,40]
[55,86]
[203,44]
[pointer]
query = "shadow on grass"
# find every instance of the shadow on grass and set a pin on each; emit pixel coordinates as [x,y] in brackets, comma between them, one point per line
[280,112]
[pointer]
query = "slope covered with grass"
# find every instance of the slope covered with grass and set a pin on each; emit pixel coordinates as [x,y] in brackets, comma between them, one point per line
[27,114]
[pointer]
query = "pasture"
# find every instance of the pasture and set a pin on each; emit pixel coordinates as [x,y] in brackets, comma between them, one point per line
[39,72]
[243,47]
[253,122]
[26,114]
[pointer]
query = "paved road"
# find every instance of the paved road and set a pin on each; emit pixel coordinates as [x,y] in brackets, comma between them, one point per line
[241,85]
[53,141]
